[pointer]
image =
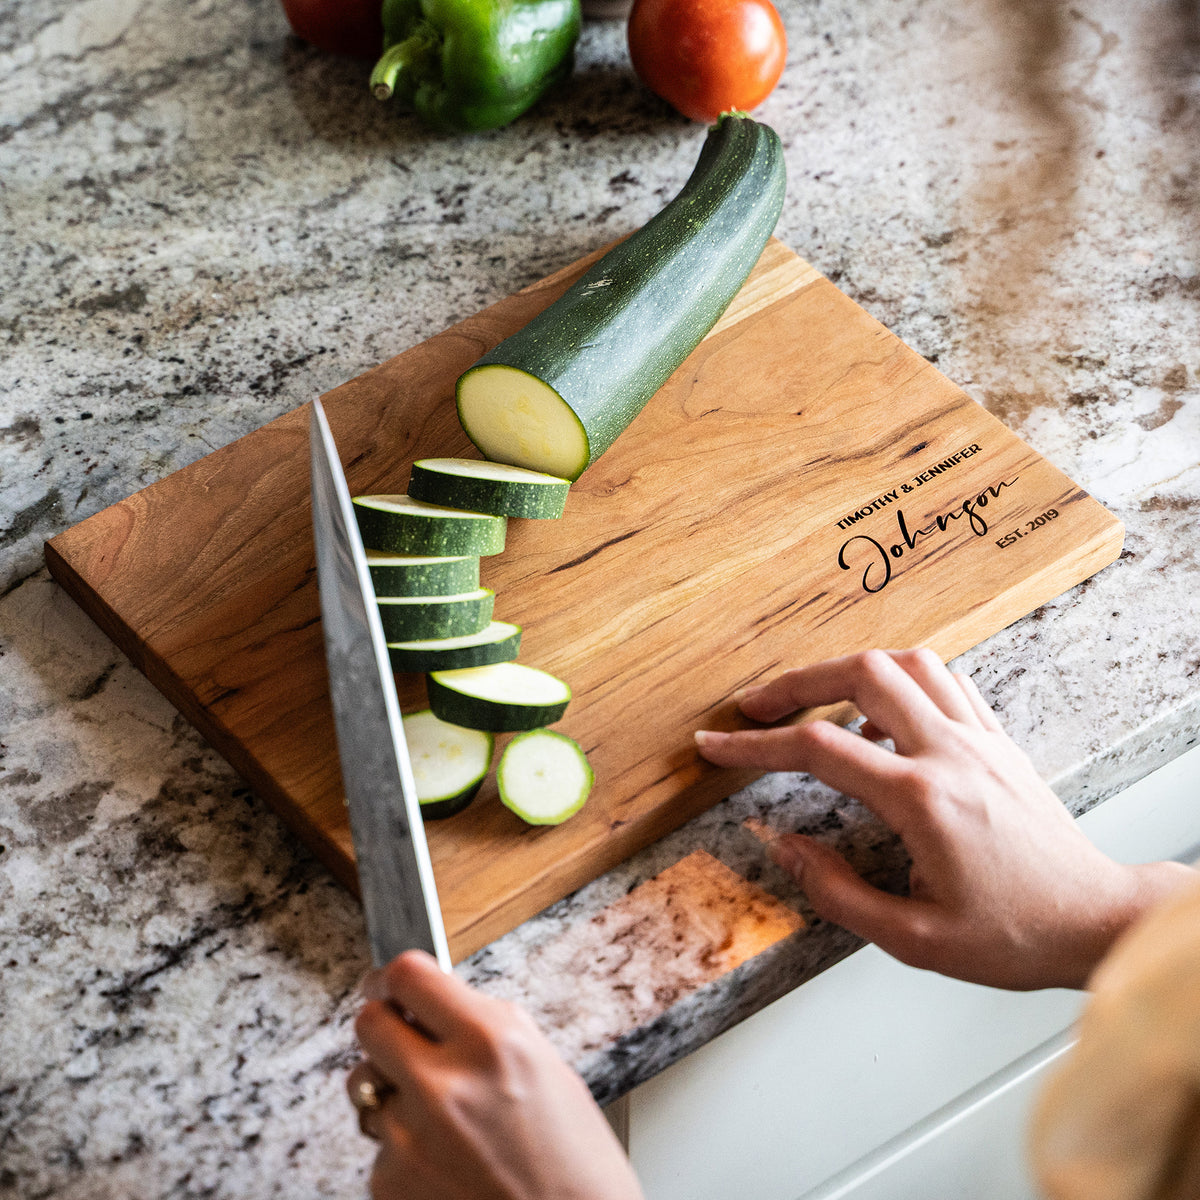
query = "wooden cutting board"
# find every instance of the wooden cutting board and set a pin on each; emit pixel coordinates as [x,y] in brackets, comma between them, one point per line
[804,485]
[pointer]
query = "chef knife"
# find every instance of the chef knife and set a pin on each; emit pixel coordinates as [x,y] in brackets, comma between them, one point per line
[394,872]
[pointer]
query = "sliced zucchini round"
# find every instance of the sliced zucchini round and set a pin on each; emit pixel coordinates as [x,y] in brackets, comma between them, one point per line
[449,763]
[544,777]
[488,487]
[413,575]
[499,642]
[504,697]
[407,618]
[402,525]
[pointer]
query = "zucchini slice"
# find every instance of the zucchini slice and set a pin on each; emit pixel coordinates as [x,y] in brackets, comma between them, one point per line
[499,642]
[544,777]
[488,487]
[449,763]
[504,697]
[557,393]
[407,575]
[402,525]
[407,618]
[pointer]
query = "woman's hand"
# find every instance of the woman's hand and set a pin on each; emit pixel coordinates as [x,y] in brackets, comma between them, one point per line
[475,1104]
[1005,889]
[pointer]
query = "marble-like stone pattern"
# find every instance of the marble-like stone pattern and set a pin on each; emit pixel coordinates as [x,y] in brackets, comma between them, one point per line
[203,223]
[693,924]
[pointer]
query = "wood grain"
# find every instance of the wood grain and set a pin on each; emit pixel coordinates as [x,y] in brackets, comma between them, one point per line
[700,553]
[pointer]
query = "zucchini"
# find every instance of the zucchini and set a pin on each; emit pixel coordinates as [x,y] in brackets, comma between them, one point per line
[406,575]
[449,763]
[488,487]
[407,618]
[402,525]
[499,642]
[544,777]
[557,393]
[504,697]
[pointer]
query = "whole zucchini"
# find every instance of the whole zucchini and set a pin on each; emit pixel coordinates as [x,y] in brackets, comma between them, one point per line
[556,394]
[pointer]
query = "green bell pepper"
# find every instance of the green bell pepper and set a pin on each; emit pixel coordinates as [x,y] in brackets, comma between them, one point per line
[467,65]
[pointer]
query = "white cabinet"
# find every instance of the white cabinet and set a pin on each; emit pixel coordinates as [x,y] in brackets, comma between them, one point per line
[875,1080]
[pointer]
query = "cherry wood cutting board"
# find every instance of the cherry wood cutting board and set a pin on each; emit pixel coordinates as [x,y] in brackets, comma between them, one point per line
[804,485]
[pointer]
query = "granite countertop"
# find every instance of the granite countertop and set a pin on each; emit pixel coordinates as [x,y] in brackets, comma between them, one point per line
[204,223]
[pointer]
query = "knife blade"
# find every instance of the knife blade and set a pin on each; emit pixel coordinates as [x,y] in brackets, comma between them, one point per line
[395,874]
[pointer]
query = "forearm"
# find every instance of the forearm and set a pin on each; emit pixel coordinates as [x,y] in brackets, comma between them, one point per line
[1149,885]
[1072,936]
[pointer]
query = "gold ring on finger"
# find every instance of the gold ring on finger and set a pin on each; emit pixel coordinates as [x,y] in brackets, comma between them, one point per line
[368,1095]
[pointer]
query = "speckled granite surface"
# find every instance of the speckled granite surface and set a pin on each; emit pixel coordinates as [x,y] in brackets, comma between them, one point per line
[203,223]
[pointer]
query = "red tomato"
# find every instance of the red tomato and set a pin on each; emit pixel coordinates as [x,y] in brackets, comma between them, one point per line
[352,27]
[705,57]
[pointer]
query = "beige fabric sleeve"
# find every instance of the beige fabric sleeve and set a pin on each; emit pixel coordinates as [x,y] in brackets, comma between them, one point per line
[1120,1119]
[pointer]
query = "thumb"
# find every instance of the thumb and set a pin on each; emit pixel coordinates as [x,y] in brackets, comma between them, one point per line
[840,895]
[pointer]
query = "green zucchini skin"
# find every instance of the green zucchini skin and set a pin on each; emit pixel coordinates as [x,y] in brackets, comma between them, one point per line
[498,642]
[436,481]
[449,764]
[439,810]
[396,575]
[457,707]
[617,334]
[397,531]
[407,619]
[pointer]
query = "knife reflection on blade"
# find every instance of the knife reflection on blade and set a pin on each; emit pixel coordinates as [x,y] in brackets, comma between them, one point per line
[394,871]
